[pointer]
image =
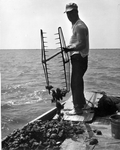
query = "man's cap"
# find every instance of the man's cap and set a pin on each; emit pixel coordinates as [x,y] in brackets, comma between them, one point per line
[70,7]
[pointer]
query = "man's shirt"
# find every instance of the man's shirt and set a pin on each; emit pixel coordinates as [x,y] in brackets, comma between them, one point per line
[75,40]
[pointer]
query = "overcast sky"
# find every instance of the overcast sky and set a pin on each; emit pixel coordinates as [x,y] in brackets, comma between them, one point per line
[21,21]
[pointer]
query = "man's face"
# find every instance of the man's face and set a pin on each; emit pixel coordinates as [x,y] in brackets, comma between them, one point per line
[71,15]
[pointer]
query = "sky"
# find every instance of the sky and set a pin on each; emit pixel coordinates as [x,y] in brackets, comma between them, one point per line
[22,20]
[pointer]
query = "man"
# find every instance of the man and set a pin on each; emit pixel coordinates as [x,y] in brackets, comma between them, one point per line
[79,49]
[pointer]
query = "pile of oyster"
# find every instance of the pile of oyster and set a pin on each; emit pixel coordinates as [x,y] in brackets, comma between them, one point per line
[42,135]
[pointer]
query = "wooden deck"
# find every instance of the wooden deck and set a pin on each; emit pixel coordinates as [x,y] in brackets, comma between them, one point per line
[105,141]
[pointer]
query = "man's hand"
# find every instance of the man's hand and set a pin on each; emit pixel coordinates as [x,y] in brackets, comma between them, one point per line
[66,49]
[69,48]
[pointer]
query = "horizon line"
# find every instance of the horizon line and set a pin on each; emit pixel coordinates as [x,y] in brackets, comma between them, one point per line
[49,48]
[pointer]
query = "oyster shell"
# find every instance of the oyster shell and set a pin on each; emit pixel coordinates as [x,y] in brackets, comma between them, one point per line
[42,135]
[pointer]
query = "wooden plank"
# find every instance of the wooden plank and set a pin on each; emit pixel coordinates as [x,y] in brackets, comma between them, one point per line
[90,96]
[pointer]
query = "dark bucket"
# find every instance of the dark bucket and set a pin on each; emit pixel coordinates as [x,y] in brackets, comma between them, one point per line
[115,126]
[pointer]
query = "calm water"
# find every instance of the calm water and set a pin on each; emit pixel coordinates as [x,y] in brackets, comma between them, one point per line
[23,93]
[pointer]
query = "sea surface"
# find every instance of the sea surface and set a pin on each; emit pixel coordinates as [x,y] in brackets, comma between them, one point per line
[23,93]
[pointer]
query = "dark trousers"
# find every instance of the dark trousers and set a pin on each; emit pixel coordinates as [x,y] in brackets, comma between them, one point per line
[79,67]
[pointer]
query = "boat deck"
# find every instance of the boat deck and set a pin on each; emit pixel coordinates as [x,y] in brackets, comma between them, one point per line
[82,142]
